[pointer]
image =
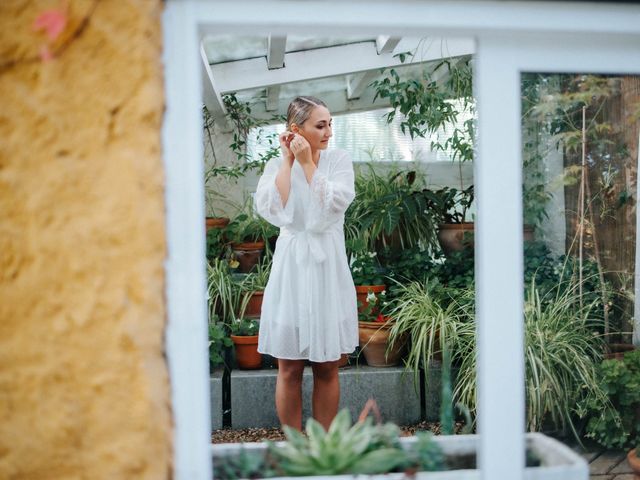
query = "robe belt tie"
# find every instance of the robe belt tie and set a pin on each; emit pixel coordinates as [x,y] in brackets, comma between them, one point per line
[309,253]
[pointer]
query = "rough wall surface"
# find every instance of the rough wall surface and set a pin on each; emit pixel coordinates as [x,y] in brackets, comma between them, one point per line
[84,389]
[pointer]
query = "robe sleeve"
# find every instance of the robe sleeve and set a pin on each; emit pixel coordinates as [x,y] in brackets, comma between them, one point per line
[267,199]
[331,194]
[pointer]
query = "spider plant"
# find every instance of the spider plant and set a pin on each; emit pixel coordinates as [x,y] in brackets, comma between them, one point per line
[431,322]
[226,296]
[561,354]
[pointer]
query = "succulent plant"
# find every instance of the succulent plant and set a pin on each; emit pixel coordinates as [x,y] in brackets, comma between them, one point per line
[363,448]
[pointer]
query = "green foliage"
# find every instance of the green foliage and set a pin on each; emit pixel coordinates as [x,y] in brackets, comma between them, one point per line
[244,327]
[215,243]
[408,264]
[248,226]
[366,270]
[426,105]
[244,465]
[218,341]
[449,204]
[375,309]
[389,210]
[361,449]
[619,426]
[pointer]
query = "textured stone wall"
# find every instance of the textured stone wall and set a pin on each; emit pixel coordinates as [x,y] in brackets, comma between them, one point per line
[84,389]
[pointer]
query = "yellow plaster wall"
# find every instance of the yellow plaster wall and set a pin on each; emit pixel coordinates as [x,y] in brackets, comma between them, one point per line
[84,391]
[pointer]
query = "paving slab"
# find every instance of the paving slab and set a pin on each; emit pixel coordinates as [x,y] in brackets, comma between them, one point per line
[606,462]
[624,476]
[622,467]
[589,456]
[602,477]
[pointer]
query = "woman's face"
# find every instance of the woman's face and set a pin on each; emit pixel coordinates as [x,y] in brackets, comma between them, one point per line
[317,128]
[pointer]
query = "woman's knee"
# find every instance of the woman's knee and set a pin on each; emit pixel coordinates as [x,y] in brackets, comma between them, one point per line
[325,371]
[290,371]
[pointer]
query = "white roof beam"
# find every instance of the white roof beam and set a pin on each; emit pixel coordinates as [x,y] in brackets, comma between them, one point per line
[336,101]
[273,96]
[211,95]
[386,44]
[323,62]
[276,50]
[357,83]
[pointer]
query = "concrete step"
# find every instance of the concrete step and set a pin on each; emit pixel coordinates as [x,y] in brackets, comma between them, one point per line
[253,403]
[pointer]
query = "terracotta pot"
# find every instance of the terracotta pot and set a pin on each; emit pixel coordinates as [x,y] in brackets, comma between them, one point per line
[528,233]
[216,222]
[363,290]
[247,354]
[634,462]
[248,254]
[454,237]
[617,350]
[374,338]
[254,306]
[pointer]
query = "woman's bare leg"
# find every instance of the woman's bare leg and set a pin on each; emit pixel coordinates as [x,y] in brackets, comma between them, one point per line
[289,392]
[326,392]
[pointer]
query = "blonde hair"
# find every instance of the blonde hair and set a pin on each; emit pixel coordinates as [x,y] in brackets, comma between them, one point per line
[300,109]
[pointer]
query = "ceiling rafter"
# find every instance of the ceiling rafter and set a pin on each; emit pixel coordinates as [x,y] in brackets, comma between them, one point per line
[211,95]
[323,62]
[386,43]
[277,45]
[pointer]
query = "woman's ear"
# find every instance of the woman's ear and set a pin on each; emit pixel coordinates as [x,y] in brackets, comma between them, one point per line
[294,128]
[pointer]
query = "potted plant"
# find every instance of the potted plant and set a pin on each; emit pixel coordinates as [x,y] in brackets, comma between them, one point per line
[368,276]
[253,287]
[389,211]
[247,233]
[451,206]
[374,333]
[244,335]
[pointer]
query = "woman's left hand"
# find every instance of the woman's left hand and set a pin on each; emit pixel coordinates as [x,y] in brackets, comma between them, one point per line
[301,149]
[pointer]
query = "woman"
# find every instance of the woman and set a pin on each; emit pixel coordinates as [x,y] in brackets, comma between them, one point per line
[309,309]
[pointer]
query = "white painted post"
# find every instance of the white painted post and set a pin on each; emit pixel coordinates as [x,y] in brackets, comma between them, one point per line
[499,262]
[636,283]
[186,335]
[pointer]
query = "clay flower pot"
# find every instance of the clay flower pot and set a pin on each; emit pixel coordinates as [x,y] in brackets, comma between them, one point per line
[254,305]
[374,338]
[454,237]
[634,462]
[216,222]
[247,354]
[248,254]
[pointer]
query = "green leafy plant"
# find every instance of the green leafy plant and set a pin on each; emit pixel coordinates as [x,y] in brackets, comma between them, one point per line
[248,226]
[215,244]
[218,341]
[245,464]
[366,270]
[388,210]
[244,327]
[361,449]
[619,426]
[374,309]
[449,204]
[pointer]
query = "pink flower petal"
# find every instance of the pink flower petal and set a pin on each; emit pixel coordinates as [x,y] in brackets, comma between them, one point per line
[52,22]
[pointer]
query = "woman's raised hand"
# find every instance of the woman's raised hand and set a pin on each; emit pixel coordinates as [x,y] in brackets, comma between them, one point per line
[301,149]
[285,145]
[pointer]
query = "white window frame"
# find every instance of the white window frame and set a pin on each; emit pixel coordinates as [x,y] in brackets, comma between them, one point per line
[512,37]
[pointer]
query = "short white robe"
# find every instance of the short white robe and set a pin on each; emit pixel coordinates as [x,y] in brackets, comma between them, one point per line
[309,309]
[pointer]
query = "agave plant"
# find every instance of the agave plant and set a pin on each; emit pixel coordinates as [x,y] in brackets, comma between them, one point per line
[364,448]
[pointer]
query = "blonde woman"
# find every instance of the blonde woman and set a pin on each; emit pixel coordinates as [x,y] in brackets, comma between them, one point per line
[309,309]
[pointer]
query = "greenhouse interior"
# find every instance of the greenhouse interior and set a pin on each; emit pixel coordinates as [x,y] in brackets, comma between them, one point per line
[404,110]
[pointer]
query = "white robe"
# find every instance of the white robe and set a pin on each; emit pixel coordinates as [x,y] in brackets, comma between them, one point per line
[309,309]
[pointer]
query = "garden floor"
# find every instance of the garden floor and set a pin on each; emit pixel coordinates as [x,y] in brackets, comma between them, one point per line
[603,464]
